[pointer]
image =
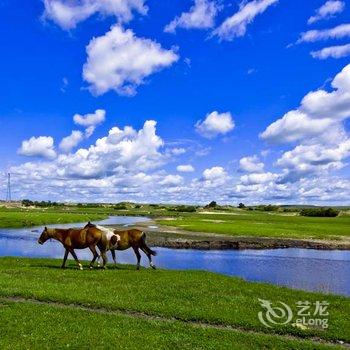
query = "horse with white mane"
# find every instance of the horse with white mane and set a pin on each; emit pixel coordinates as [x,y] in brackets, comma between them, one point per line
[122,240]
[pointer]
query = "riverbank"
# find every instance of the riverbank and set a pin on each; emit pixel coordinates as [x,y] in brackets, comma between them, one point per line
[170,237]
[187,309]
[235,229]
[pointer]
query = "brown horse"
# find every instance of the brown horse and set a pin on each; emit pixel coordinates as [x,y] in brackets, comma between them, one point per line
[133,238]
[77,239]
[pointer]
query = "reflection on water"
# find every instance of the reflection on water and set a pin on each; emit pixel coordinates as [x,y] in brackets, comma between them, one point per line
[315,270]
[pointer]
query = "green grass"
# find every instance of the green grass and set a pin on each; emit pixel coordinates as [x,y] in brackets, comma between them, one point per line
[184,295]
[263,224]
[28,326]
[234,222]
[15,218]
[45,327]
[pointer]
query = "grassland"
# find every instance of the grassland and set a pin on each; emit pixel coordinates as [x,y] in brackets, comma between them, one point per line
[17,217]
[159,309]
[233,222]
[262,224]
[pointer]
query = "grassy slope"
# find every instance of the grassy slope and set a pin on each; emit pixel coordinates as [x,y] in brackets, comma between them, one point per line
[42,326]
[245,223]
[186,295]
[15,218]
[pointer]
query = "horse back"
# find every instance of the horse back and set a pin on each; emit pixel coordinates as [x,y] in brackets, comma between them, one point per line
[82,238]
[128,238]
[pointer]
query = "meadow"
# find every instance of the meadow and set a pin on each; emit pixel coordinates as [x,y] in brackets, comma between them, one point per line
[232,222]
[41,305]
[21,217]
[263,224]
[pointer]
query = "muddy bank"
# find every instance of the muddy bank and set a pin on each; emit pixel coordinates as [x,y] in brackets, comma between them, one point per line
[166,237]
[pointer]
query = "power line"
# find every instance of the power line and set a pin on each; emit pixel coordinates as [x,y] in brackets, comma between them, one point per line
[8,193]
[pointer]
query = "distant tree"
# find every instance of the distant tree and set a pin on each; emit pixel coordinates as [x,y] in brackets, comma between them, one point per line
[27,203]
[320,212]
[241,206]
[120,206]
[212,204]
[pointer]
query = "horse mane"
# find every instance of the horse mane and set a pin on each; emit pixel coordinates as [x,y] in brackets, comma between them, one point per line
[89,224]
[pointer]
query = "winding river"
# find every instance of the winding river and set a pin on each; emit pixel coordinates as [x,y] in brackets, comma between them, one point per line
[313,270]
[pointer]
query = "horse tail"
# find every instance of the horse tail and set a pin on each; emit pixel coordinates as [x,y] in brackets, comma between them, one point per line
[146,247]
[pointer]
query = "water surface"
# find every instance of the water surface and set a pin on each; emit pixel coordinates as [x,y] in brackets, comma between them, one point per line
[314,270]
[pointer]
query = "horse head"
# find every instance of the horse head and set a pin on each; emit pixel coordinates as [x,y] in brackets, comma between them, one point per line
[45,235]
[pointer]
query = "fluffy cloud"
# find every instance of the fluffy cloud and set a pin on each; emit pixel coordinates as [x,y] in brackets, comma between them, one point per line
[305,160]
[258,178]
[71,141]
[318,125]
[186,168]
[338,32]
[201,15]
[90,120]
[319,110]
[120,61]
[122,151]
[68,13]
[172,180]
[236,25]
[332,51]
[213,177]
[293,126]
[42,146]
[327,10]
[251,164]
[214,124]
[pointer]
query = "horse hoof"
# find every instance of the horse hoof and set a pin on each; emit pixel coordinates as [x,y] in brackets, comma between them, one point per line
[91,267]
[153,267]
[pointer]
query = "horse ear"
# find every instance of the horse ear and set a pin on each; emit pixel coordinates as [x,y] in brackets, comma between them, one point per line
[89,223]
[45,228]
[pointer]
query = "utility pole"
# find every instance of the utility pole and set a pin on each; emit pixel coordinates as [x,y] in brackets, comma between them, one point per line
[8,193]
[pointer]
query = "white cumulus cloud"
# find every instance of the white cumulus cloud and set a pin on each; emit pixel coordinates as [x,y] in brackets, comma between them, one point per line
[327,10]
[90,120]
[185,168]
[214,124]
[120,61]
[341,31]
[319,110]
[214,173]
[200,16]
[251,164]
[68,13]
[42,146]
[332,51]
[71,141]
[236,25]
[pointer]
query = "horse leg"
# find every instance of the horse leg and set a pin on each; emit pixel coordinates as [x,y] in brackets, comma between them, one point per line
[138,256]
[114,258]
[104,258]
[149,256]
[94,252]
[65,259]
[80,266]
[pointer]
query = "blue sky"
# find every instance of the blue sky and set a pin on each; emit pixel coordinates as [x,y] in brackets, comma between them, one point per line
[211,91]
